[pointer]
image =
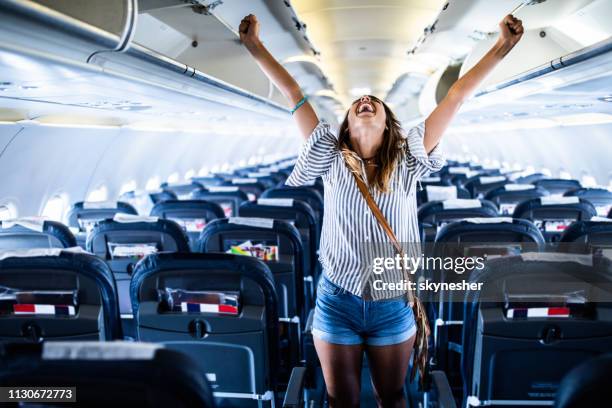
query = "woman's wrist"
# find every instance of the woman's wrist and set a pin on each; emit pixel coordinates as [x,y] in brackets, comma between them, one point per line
[502,47]
[254,46]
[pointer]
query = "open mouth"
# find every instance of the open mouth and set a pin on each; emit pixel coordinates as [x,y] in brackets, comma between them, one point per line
[365,107]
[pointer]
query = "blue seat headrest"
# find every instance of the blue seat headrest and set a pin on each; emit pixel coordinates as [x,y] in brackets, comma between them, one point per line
[35,233]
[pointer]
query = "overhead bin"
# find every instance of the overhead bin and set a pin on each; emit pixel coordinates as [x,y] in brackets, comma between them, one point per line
[556,37]
[48,56]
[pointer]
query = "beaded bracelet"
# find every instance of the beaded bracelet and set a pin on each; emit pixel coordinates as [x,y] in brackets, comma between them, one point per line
[299,104]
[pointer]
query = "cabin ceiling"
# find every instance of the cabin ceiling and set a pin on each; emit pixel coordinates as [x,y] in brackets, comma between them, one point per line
[364,43]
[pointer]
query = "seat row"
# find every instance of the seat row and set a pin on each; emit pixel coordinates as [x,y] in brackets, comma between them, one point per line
[222,308]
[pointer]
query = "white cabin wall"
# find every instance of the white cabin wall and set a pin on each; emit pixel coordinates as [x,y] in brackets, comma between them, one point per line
[38,162]
[576,149]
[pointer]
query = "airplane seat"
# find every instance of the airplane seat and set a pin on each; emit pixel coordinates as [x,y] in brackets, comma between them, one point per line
[457,175]
[588,236]
[251,186]
[508,196]
[471,237]
[276,242]
[191,215]
[123,241]
[530,178]
[431,192]
[181,190]
[435,179]
[538,311]
[303,218]
[554,214]
[160,195]
[83,215]
[222,311]
[129,374]
[434,214]
[52,294]
[557,186]
[228,197]
[480,185]
[267,179]
[208,181]
[35,232]
[586,385]
[490,230]
[312,195]
[601,198]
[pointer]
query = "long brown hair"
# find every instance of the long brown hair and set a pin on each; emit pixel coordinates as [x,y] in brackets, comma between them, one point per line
[386,157]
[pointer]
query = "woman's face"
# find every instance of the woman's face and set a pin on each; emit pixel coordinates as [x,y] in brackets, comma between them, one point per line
[368,113]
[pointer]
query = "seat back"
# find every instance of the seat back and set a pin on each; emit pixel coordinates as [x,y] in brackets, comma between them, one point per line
[220,309]
[490,231]
[586,385]
[554,214]
[439,192]
[181,190]
[55,294]
[123,241]
[507,197]
[162,195]
[208,181]
[480,185]
[589,236]
[436,179]
[435,214]
[268,179]
[457,175]
[191,215]
[601,198]
[543,312]
[34,232]
[557,186]
[228,197]
[84,215]
[303,218]
[529,178]
[310,194]
[108,373]
[252,187]
[276,242]
[469,238]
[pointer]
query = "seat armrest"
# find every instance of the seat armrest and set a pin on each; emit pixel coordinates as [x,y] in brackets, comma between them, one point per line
[309,320]
[294,397]
[442,390]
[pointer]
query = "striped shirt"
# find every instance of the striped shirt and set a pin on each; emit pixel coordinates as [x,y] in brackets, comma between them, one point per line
[351,236]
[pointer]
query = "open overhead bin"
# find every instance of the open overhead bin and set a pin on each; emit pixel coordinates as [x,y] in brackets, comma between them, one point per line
[57,57]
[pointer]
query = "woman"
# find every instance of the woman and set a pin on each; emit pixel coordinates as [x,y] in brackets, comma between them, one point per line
[350,318]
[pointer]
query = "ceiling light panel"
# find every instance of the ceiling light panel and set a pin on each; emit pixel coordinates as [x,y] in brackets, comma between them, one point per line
[363,43]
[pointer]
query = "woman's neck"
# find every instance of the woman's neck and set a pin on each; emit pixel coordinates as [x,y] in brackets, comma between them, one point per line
[365,145]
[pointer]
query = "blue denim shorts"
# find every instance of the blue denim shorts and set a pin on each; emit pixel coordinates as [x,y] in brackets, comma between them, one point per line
[343,318]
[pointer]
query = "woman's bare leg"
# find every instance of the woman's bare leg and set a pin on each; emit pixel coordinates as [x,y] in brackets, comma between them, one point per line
[342,372]
[388,367]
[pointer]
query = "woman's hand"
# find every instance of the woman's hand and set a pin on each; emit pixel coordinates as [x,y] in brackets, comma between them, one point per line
[249,31]
[510,32]
[305,117]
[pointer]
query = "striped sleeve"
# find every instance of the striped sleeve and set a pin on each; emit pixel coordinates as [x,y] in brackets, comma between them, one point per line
[417,159]
[316,156]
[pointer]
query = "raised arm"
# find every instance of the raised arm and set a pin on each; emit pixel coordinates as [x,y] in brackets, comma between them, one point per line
[305,116]
[511,31]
